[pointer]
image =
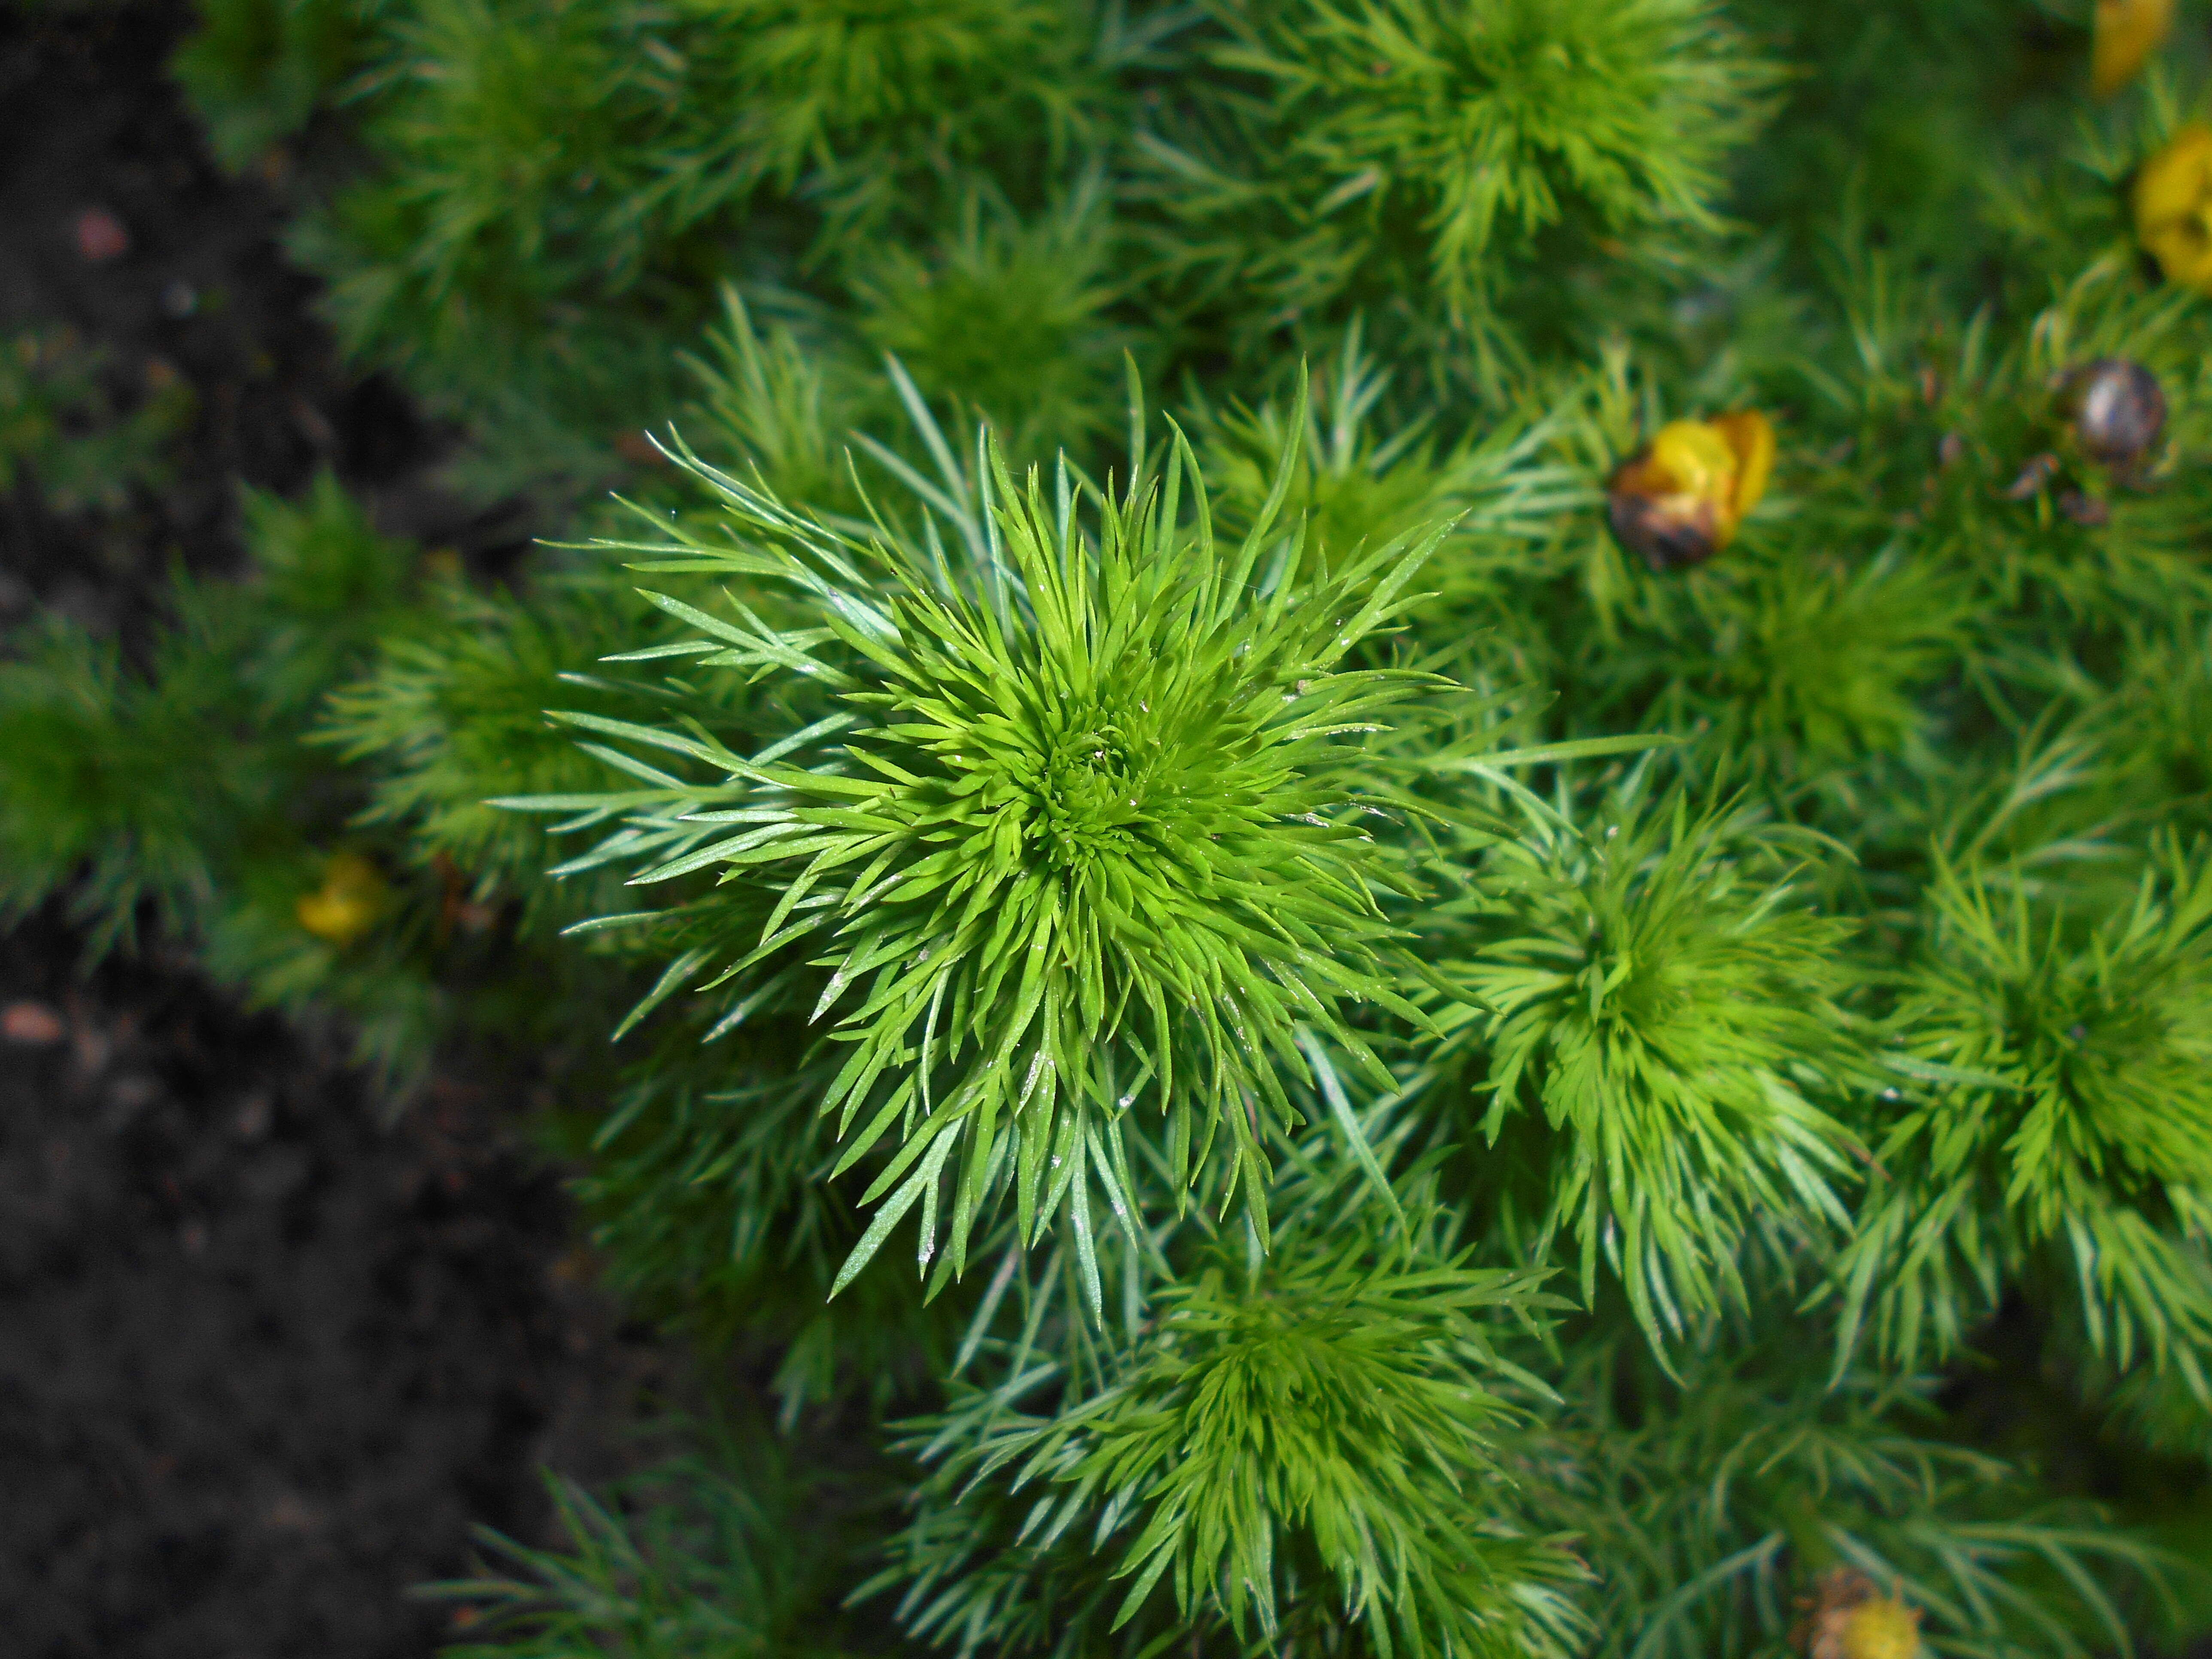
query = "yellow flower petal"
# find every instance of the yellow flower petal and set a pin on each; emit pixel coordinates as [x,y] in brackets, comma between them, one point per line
[1678,499]
[1750,435]
[1853,1620]
[1882,1628]
[1696,459]
[2172,200]
[2127,32]
[347,905]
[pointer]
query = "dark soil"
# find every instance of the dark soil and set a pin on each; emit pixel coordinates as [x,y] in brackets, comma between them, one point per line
[263,1362]
[199,289]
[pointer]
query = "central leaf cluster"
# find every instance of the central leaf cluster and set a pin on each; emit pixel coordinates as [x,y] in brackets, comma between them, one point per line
[1090,798]
[1108,791]
[1081,829]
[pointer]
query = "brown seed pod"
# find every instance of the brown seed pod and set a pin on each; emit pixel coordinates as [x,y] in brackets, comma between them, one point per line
[2118,410]
[2040,471]
[2084,509]
[1668,529]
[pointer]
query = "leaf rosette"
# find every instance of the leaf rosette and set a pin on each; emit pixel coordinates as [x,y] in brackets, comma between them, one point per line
[2053,1116]
[1653,989]
[1307,1447]
[1086,824]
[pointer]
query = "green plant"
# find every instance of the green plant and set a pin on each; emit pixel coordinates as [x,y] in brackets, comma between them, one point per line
[1300,1051]
[256,70]
[65,423]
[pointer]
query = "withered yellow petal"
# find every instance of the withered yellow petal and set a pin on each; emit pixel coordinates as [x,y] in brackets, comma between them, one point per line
[2127,32]
[349,903]
[2172,201]
[1750,436]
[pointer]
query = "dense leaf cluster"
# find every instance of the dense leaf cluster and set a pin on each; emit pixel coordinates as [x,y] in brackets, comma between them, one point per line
[1285,1047]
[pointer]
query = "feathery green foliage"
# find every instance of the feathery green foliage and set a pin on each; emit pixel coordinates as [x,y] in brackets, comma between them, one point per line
[100,774]
[706,1193]
[63,423]
[1274,899]
[1649,981]
[1249,1437]
[456,711]
[258,69]
[707,1570]
[1039,368]
[1088,830]
[1698,1502]
[1494,490]
[1298,1444]
[2057,1069]
[162,778]
[1406,148]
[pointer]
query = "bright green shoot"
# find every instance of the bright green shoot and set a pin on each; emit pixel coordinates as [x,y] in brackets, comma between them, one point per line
[1080,826]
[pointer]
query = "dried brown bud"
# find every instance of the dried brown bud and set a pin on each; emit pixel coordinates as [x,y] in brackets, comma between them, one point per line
[2084,509]
[2118,410]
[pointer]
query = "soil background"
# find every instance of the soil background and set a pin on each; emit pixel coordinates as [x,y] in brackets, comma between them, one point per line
[264,1361]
